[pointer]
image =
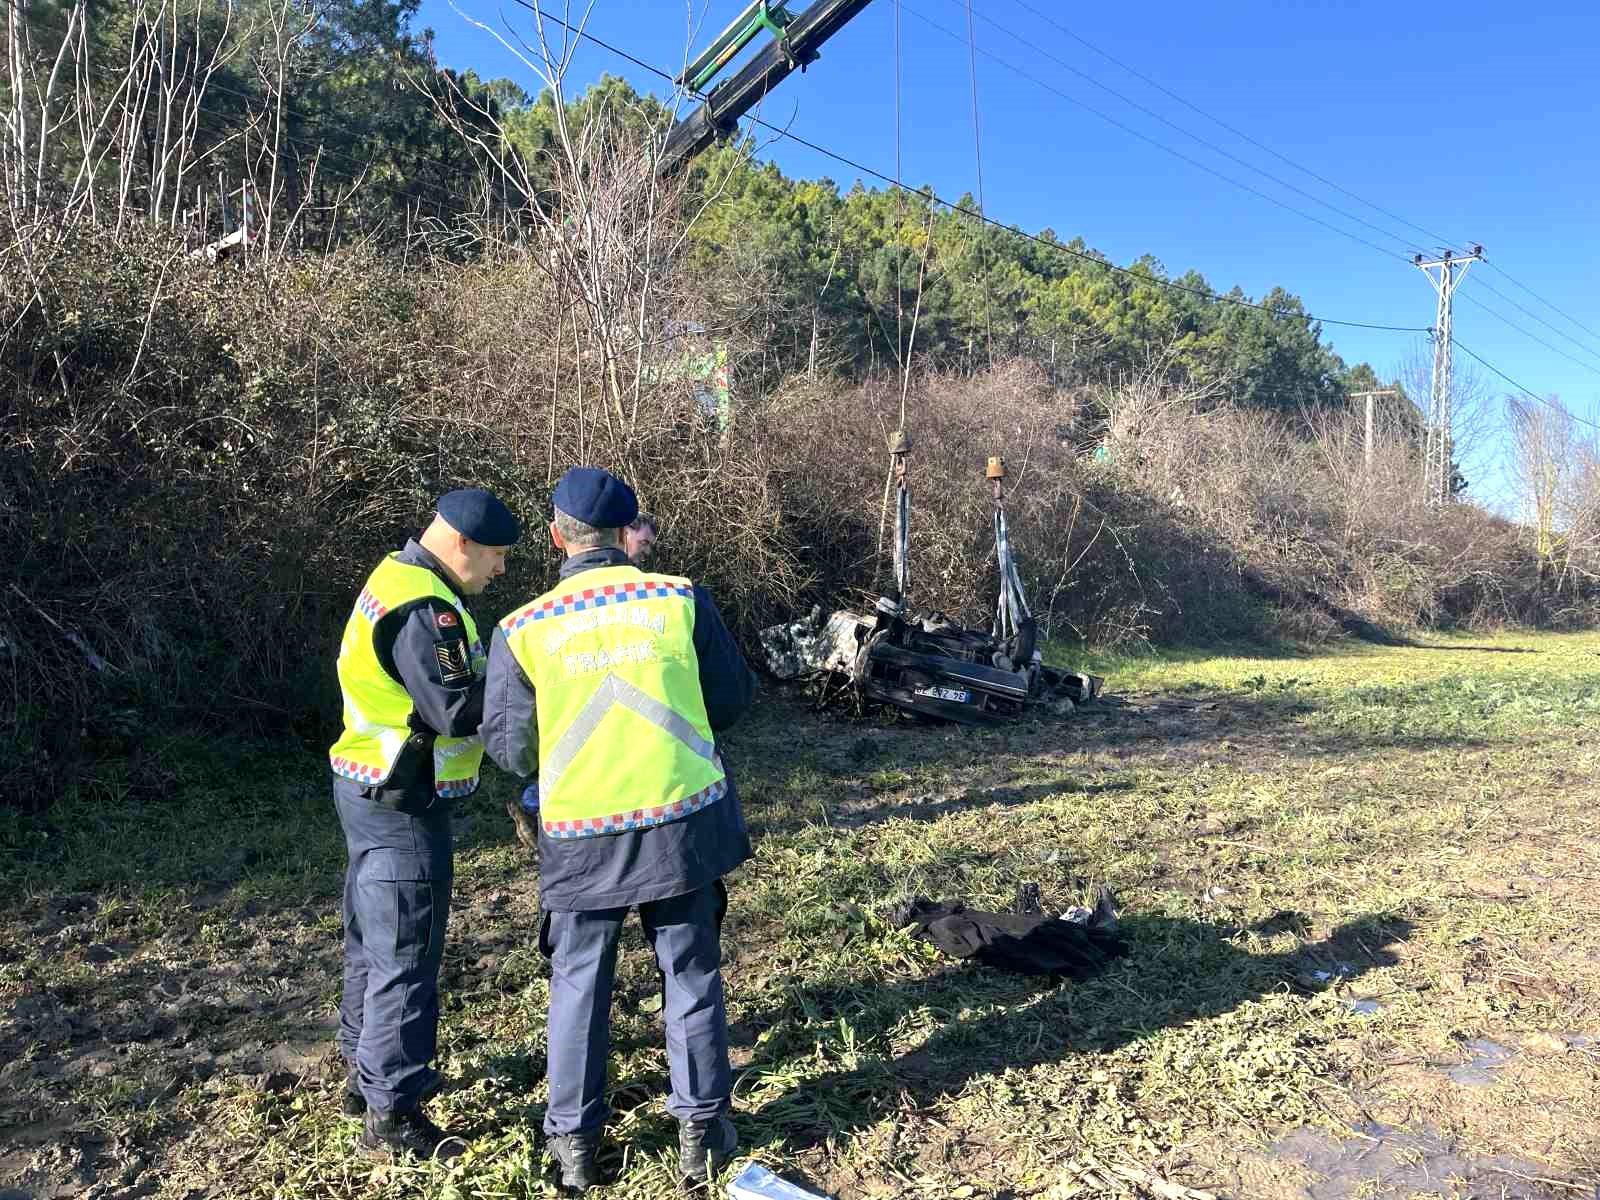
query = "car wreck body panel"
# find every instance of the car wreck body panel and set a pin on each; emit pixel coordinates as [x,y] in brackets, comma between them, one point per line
[925,665]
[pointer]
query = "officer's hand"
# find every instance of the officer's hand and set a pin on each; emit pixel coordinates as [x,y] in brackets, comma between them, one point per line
[524,814]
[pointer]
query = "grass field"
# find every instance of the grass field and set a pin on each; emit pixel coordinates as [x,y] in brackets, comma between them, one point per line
[1362,888]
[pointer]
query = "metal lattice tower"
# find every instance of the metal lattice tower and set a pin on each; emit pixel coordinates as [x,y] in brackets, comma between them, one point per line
[1446,274]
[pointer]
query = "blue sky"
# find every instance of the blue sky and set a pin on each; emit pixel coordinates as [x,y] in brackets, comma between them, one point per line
[1476,121]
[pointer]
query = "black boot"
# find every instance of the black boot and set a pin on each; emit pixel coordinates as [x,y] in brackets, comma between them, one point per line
[704,1146]
[407,1132]
[575,1155]
[354,1104]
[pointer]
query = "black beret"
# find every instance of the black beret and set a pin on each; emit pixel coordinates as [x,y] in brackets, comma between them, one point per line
[596,498]
[479,515]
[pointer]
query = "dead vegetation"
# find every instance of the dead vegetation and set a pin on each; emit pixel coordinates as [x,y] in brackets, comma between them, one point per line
[199,466]
[199,460]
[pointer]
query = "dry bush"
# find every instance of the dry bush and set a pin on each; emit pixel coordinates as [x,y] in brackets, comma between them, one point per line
[1316,523]
[1100,561]
[199,464]
[196,463]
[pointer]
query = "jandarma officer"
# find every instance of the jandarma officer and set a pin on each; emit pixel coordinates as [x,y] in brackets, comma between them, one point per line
[613,685]
[411,670]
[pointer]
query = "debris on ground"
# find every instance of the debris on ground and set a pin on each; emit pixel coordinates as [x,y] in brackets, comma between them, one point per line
[924,663]
[921,661]
[1028,941]
[755,1182]
[811,646]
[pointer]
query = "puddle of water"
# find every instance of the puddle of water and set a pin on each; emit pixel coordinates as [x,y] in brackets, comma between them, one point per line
[1420,1163]
[1479,1070]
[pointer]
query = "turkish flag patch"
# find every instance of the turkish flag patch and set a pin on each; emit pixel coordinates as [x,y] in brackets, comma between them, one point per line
[446,620]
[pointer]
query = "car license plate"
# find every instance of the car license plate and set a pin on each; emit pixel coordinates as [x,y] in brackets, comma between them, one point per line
[954,695]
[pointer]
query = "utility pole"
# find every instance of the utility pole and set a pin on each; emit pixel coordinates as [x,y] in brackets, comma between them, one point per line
[1369,397]
[1446,274]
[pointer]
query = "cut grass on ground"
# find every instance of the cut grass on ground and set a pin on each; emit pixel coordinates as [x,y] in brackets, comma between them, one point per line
[1360,887]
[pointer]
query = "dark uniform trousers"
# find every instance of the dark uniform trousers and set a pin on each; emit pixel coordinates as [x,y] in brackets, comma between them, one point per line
[685,933]
[396,907]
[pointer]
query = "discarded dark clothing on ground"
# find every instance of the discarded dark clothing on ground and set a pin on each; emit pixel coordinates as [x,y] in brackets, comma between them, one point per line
[1032,943]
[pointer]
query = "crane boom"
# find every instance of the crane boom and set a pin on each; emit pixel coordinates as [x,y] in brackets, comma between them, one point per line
[795,46]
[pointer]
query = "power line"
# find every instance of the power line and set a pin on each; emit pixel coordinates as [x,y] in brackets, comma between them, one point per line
[1545,302]
[1328,182]
[589,37]
[1203,141]
[1189,133]
[1179,154]
[1488,366]
[932,196]
[1080,254]
[1505,320]
[1238,133]
[1533,316]
[977,154]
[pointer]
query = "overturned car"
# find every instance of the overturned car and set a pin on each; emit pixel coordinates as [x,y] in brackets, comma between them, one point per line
[923,662]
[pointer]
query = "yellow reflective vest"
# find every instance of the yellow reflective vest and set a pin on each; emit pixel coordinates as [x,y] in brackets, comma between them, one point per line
[377,707]
[624,742]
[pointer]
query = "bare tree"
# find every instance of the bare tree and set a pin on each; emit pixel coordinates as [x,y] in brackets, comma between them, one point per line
[35,95]
[1371,488]
[1578,511]
[1148,415]
[609,227]
[1542,442]
[287,30]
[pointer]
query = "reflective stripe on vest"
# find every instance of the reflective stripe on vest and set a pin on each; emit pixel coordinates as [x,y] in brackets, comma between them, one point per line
[377,708]
[624,742]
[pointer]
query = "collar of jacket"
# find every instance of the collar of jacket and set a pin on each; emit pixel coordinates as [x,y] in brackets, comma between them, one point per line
[588,560]
[419,557]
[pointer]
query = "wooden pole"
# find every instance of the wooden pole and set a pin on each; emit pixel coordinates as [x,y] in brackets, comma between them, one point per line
[1366,449]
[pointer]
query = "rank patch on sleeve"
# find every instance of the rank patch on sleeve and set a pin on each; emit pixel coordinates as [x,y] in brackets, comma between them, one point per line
[454,666]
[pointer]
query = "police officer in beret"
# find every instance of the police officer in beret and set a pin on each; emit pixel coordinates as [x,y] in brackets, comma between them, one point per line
[612,686]
[640,540]
[411,669]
